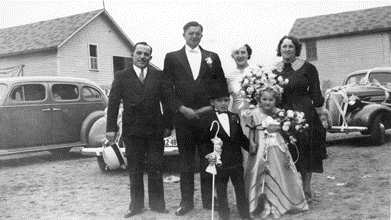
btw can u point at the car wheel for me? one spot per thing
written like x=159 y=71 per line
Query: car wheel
x=102 y=164
x=378 y=131
x=87 y=125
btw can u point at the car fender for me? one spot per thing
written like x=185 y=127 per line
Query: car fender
x=87 y=125
x=365 y=115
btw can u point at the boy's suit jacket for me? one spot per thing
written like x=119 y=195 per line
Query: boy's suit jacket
x=231 y=150
x=142 y=113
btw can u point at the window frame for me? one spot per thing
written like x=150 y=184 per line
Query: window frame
x=311 y=50
x=91 y=58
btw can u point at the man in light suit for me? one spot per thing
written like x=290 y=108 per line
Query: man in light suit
x=141 y=90
x=192 y=70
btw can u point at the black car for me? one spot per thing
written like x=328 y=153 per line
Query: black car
x=362 y=103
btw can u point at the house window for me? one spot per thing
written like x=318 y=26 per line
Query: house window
x=93 y=57
x=311 y=52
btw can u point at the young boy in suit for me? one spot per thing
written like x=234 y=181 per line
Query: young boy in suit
x=233 y=139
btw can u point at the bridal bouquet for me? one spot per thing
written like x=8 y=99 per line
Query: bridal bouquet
x=257 y=79
x=292 y=122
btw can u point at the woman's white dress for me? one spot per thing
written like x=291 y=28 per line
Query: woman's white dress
x=238 y=104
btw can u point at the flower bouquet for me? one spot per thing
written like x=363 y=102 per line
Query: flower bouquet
x=257 y=79
x=292 y=122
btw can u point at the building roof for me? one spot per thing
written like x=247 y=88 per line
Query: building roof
x=50 y=34
x=346 y=23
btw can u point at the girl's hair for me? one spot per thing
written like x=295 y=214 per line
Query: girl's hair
x=276 y=94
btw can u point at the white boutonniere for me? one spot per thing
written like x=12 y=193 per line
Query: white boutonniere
x=209 y=62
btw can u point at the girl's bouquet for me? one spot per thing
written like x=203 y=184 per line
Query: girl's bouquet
x=292 y=122
x=257 y=79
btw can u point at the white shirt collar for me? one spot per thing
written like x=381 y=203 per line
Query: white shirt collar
x=196 y=49
x=138 y=70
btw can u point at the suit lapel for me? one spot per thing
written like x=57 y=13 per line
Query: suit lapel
x=203 y=67
x=233 y=124
x=184 y=61
x=222 y=131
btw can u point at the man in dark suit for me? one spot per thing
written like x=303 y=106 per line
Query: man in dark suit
x=141 y=90
x=192 y=70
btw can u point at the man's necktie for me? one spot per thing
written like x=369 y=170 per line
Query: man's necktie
x=221 y=112
x=141 y=76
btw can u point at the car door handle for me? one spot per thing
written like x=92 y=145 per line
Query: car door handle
x=56 y=109
x=46 y=109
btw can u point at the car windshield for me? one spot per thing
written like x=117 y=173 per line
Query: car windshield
x=355 y=78
x=3 y=90
x=384 y=78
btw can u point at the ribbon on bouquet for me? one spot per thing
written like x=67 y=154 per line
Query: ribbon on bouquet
x=217 y=144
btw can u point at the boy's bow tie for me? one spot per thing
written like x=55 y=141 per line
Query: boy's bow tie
x=221 y=112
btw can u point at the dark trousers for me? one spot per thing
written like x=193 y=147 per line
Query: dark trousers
x=236 y=174
x=145 y=152
x=188 y=138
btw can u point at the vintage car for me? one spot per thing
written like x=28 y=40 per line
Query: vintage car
x=48 y=113
x=362 y=104
x=107 y=159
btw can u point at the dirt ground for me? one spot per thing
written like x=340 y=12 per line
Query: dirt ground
x=354 y=186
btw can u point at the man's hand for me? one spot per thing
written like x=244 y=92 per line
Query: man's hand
x=188 y=112
x=110 y=136
x=167 y=132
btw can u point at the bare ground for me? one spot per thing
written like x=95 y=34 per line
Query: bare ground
x=354 y=186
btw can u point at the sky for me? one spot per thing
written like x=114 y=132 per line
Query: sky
x=261 y=24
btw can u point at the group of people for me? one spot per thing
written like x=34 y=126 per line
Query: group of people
x=189 y=95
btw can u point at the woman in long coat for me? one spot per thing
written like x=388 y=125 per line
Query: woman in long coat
x=303 y=93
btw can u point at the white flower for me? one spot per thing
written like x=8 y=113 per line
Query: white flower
x=281 y=114
x=297 y=127
x=245 y=82
x=272 y=75
x=250 y=89
x=285 y=127
x=280 y=79
x=286 y=81
x=209 y=61
x=289 y=114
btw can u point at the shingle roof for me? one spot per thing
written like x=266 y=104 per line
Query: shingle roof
x=352 y=22
x=42 y=35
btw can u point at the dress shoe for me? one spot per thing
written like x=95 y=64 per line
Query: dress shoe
x=133 y=212
x=308 y=196
x=266 y=211
x=183 y=210
x=275 y=213
x=163 y=211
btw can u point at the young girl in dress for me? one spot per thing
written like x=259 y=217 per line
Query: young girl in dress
x=272 y=182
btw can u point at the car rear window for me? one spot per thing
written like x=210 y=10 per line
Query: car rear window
x=91 y=94
x=29 y=92
x=65 y=92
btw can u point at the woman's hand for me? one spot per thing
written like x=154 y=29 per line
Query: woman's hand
x=253 y=148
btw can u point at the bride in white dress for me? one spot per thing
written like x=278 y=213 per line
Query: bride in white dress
x=240 y=53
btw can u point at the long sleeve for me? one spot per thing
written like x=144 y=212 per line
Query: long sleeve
x=115 y=97
x=314 y=87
